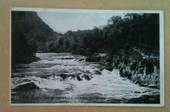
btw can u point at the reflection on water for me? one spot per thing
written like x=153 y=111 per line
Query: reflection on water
x=67 y=78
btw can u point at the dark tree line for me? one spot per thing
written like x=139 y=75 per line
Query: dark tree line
x=134 y=30
x=30 y=35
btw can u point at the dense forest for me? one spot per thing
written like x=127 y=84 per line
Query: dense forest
x=29 y=35
x=135 y=30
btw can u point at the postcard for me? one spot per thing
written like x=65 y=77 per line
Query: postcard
x=87 y=57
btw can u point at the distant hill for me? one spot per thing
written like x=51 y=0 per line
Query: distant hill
x=29 y=35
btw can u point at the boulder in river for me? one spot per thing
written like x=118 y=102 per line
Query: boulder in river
x=94 y=58
x=79 y=78
x=147 y=99
x=87 y=77
x=26 y=86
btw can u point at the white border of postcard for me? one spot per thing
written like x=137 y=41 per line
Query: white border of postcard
x=161 y=38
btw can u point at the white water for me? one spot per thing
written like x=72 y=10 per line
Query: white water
x=108 y=84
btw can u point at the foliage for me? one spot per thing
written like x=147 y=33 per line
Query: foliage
x=134 y=30
x=30 y=35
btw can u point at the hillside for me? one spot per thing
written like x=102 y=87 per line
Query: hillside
x=29 y=35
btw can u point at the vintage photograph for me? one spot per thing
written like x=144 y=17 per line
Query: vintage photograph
x=71 y=56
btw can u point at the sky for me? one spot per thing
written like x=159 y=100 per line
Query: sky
x=62 y=22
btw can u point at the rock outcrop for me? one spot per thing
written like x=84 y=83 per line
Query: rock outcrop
x=137 y=68
x=134 y=65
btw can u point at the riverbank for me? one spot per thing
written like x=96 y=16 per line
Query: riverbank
x=133 y=64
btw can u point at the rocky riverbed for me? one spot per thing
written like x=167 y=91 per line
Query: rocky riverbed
x=68 y=78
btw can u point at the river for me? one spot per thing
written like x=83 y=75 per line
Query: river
x=68 y=78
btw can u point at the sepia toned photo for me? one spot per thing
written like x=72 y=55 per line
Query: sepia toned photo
x=86 y=57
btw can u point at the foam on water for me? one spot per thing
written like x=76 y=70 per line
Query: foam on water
x=108 y=84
